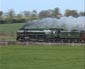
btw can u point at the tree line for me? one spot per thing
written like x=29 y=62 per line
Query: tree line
x=12 y=17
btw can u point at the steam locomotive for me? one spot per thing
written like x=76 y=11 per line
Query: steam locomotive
x=50 y=35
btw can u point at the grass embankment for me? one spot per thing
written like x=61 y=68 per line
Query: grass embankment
x=41 y=57
x=8 y=31
x=10 y=28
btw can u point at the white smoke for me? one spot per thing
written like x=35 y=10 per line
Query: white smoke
x=67 y=23
x=73 y=23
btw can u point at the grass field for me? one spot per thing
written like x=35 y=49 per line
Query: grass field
x=10 y=28
x=7 y=38
x=41 y=57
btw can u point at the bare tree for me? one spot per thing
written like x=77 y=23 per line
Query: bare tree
x=57 y=12
x=71 y=13
x=1 y=15
x=45 y=13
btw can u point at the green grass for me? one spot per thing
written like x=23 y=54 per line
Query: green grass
x=7 y=38
x=10 y=28
x=41 y=57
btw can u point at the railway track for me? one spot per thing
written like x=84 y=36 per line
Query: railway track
x=38 y=43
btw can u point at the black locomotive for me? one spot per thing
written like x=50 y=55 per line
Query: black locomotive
x=50 y=35
x=50 y=30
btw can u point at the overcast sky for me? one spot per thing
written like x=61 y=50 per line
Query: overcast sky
x=21 y=5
